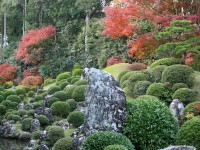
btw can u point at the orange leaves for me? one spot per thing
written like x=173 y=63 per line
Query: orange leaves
x=26 y=51
x=31 y=81
x=7 y=72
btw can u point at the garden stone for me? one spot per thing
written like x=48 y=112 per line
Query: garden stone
x=35 y=125
x=8 y=128
x=24 y=135
x=180 y=148
x=43 y=135
x=177 y=109
x=32 y=143
x=46 y=100
x=63 y=124
x=43 y=147
x=44 y=111
x=21 y=106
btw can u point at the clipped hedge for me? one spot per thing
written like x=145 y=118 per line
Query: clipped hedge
x=26 y=124
x=140 y=87
x=61 y=95
x=156 y=73
x=167 y=62
x=62 y=76
x=81 y=82
x=76 y=118
x=193 y=109
x=60 y=109
x=178 y=86
x=43 y=120
x=53 y=89
x=78 y=93
x=77 y=72
x=156 y=89
x=72 y=103
x=121 y=74
x=63 y=144
x=54 y=134
x=115 y=147
x=8 y=92
x=69 y=90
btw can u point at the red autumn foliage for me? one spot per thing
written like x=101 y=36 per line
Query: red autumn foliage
x=143 y=46
x=7 y=72
x=26 y=52
x=31 y=81
x=189 y=59
x=137 y=66
x=197 y=106
x=31 y=72
x=114 y=60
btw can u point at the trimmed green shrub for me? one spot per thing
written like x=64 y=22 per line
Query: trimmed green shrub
x=43 y=120
x=125 y=84
x=61 y=109
x=63 y=144
x=61 y=95
x=167 y=62
x=8 y=115
x=40 y=91
x=78 y=93
x=38 y=98
x=141 y=87
x=63 y=85
x=115 y=147
x=1 y=98
x=37 y=105
x=22 y=112
x=53 y=89
x=121 y=74
x=62 y=76
x=35 y=135
x=2 y=110
x=156 y=73
x=72 y=103
x=150 y=124
x=77 y=72
x=192 y=108
x=44 y=94
x=49 y=81
x=60 y=82
x=26 y=124
x=69 y=90
x=14 y=98
x=156 y=89
x=185 y=95
x=16 y=118
x=31 y=94
x=31 y=112
x=100 y=140
x=189 y=133
x=33 y=89
x=178 y=74
x=74 y=80
x=52 y=100
x=55 y=133
x=81 y=82
x=9 y=92
x=76 y=118
x=126 y=76
x=178 y=86
x=9 y=104
x=20 y=91
x=147 y=97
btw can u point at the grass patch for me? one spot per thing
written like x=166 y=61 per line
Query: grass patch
x=69 y=132
x=19 y=127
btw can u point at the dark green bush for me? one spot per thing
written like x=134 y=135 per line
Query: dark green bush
x=61 y=95
x=9 y=92
x=20 y=91
x=26 y=124
x=63 y=144
x=72 y=103
x=195 y=62
x=55 y=133
x=75 y=79
x=44 y=94
x=2 y=110
x=60 y=82
x=185 y=95
x=37 y=105
x=1 y=98
x=60 y=109
x=100 y=140
x=49 y=81
x=115 y=147
x=22 y=112
x=62 y=76
x=167 y=62
x=146 y=97
x=156 y=73
x=77 y=72
x=53 y=89
x=156 y=89
x=79 y=93
x=69 y=90
x=178 y=86
x=43 y=120
x=40 y=91
x=9 y=104
x=76 y=118
x=126 y=76
x=8 y=115
x=192 y=108
x=14 y=98
x=35 y=135
x=178 y=74
x=38 y=98
x=52 y=100
x=31 y=112
x=141 y=87
x=81 y=82
x=189 y=133
x=33 y=89
x=121 y=74
x=150 y=124
x=31 y=94
x=125 y=84
x=63 y=85
x=16 y=118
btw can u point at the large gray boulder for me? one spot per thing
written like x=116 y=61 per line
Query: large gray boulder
x=180 y=148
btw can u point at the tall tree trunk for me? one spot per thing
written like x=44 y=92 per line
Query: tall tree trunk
x=87 y=28
x=24 y=19
x=5 y=40
x=2 y=31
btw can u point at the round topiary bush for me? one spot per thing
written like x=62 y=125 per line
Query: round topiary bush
x=49 y=81
x=178 y=74
x=31 y=94
x=185 y=95
x=53 y=100
x=156 y=73
x=77 y=72
x=81 y=82
x=9 y=104
x=146 y=97
x=62 y=81
x=2 y=110
x=121 y=74
x=75 y=79
x=178 y=86
x=53 y=89
x=72 y=103
x=141 y=87
x=31 y=112
x=76 y=118
x=69 y=90
x=62 y=76
x=115 y=147
x=189 y=133
x=63 y=144
x=102 y=139
x=60 y=109
x=43 y=120
x=20 y=91
x=26 y=124
x=35 y=135
x=150 y=124
x=1 y=98
x=14 y=98
x=38 y=98
x=16 y=118
x=55 y=133
x=8 y=92
x=126 y=76
x=192 y=109
x=22 y=112
x=167 y=62
x=156 y=89
x=61 y=95
x=63 y=85
x=78 y=93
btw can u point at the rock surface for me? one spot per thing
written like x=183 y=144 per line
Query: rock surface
x=35 y=125
x=177 y=109
x=180 y=148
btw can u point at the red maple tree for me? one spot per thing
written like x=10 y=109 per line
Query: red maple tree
x=7 y=72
